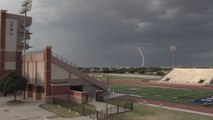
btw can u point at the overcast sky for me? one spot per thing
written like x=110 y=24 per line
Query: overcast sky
x=108 y=32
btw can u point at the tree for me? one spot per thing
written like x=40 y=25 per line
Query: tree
x=106 y=70
x=12 y=83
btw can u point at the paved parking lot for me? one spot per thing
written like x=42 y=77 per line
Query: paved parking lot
x=28 y=110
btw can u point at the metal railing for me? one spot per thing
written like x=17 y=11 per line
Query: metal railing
x=33 y=52
x=65 y=60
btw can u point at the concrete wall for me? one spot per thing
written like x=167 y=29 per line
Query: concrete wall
x=40 y=73
x=89 y=88
x=10 y=44
x=74 y=76
x=58 y=72
x=35 y=72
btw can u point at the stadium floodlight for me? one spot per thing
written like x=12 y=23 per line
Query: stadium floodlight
x=173 y=49
x=26 y=2
x=26 y=6
x=142 y=56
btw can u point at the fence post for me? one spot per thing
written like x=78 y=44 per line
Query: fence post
x=96 y=115
x=117 y=109
x=131 y=106
x=83 y=110
x=125 y=106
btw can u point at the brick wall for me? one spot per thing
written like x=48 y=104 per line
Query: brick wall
x=2 y=41
x=60 y=90
x=47 y=73
x=78 y=97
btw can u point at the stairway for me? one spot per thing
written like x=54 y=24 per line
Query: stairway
x=68 y=66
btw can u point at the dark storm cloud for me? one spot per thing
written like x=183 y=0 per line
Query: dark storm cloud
x=108 y=32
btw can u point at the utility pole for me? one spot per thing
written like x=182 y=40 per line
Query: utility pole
x=107 y=95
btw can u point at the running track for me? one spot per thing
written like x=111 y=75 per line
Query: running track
x=161 y=84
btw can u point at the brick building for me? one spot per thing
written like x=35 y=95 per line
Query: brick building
x=11 y=41
x=48 y=74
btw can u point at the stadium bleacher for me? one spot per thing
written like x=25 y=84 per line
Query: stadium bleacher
x=198 y=76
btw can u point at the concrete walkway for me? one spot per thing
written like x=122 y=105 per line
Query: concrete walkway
x=29 y=110
x=101 y=107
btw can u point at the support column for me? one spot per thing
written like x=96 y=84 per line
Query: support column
x=47 y=73
x=2 y=41
x=19 y=62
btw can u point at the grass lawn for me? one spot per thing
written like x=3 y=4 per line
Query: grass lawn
x=143 y=112
x=177 y=95
x=86 y=106
x=62 y=111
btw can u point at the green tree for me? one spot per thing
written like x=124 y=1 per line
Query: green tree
x=12 y=83
x=141 y=70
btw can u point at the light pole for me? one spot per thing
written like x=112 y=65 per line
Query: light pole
x=107 y=95
x=26 y=6
x=173 y=50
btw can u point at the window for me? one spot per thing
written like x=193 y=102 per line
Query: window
x=11 y=29
x=11 y=23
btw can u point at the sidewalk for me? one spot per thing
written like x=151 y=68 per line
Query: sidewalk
x=29 y=110
x=112 y=109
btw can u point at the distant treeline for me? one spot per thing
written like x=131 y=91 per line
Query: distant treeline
x=133 y=70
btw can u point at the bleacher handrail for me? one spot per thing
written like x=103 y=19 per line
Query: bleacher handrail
x=33 y=52
x=64 y=60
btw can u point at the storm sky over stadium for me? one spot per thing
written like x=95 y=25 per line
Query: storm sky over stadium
x=108 y=32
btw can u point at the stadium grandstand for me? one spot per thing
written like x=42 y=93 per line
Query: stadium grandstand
x=196 y=76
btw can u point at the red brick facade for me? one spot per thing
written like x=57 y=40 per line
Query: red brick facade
x=47 y=71
x=60 y=90
x=78 y=97
x=5 y=56
x=2 y=41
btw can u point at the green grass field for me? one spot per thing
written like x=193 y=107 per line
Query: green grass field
x=183 y=96
x=65 y=111
x=140 y=112
x=143 y=112
x=59 y=111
